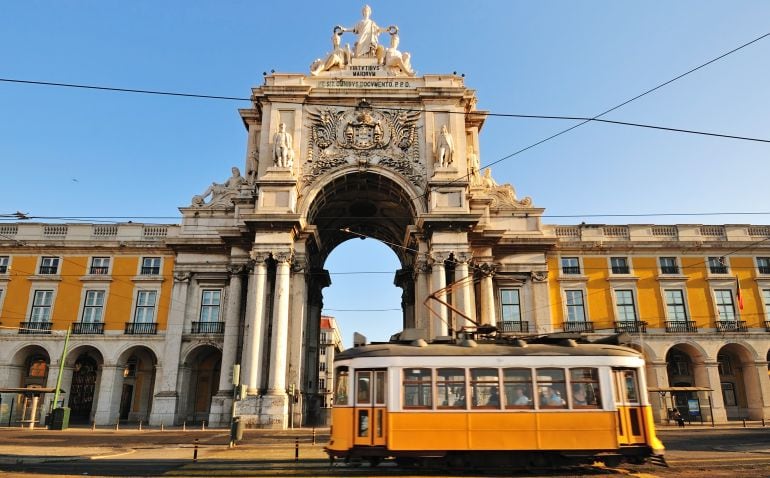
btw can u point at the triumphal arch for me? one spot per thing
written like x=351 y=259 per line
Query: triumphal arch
x=359 y=146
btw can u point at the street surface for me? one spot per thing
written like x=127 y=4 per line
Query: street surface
x=696 y=451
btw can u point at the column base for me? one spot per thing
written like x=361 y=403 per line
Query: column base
x=264 y=411
x=164 y=409
x=221 y=409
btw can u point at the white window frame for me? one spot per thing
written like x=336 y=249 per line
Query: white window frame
x=517 y=305
x=93 y=264
x=628 y=265
x=210 y=306
x=683 y=292
x=138 y=306
x=720 y=305
x=766 y=265
x=766 y=302
x=5 y=264
x=42 y=306
x=152 y=265
x=583 y=305
x=634 y=304
x=714 y=261
x=46 y=261
x=85 y=306
x=677 y=264
x=579 y=265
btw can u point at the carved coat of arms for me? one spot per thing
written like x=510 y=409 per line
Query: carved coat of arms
x=363 y=136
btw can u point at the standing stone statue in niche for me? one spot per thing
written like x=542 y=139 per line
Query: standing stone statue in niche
x=338 y=58
x=221 y=193
x=368 y=33
x=283 y=154
x=444 y=148
x=252 y=166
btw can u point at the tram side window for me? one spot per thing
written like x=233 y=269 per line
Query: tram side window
x=341 y=386
x=485 y=388
x=364 y=387
x=517 y=383
x=418 y=388
x=585 y=387
x=551 y=388
x=450 y=388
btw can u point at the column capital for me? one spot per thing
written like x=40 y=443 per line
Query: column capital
x=259 y=256
x=486 y=269
x=539 y=276
x=299 y=263
x=284 y=256
x=463 y=257
x=182 y=276
x=421 y=266
x=439 y=257
x=238 y=269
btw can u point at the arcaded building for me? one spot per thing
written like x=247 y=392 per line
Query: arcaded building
x=360 y=146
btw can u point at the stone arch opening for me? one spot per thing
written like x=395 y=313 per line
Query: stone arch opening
x=200 y=378
x=738 y=382
x=136 y=367
x=31 y=367
x=84 y=367
x=685 y=367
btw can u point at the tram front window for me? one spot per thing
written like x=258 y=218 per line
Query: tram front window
x=341 y=386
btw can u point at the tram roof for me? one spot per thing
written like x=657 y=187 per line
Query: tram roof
x=485 y=349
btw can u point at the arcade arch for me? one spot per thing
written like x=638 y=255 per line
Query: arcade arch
x=83 y=374
x=136 y=367
x=200 y=381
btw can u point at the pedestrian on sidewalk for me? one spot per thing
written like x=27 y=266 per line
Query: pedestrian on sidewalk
x=679 y=418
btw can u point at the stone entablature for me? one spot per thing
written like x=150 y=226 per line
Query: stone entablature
x=94 y=232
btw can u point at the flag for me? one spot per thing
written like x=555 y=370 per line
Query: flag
x=738 y=295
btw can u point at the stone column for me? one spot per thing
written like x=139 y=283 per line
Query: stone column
x=463 y=293
x=440 y=316
x=757 y=387
x=422 y=272
x=657 y=377
x=487 y=295
x=708 y=376
x=255 y=314
x=222 y=401
x=277 y=380
x=541 y=303
x=109 y=395
x=164 y=405
x=297 y=325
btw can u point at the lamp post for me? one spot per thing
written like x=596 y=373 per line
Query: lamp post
x=61 y=366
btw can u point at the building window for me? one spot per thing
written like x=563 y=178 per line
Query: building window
x=763 y=264
x=3 y=264
x=323 y=338
x=150 y=266
x=510 y=305
x=322 y=367
x=570 y=265
x=41 y=306
x=49 y=265
x=675 y=305
x=145 y=306
x=624 y=300
x=322 y=351
x=679 y=364
x=210 y=302
x=668 y=265
x=94 y=306
x=99 y=266
x=619 y=265
x=728 y=394
x=322 y=384
x=575 y=306
x=717 y=265
x=725 y=306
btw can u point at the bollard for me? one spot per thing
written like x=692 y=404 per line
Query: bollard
x=203 y=425
x=313 y=435
x=296 y=450
x=195 y=452
x=763 y=423
x=140 y=425
x=93 y=426
x=744 y=423
x=184 y=426
x=161 y=426
x=117 y=425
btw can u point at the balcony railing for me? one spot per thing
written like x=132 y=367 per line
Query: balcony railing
x=83 y=328
x=98 y=270
x=731 y=325
x=208 y=328
x=48 y=270
x=150 y=271
x=764 y=269
x=631 y=326
x=675 y=326
x=586 y=326
x=570 y=269
x=718 y=269
x=35 y=328
x=620 y=269
x=514 y=326
x=141 y=328
x=669 y=269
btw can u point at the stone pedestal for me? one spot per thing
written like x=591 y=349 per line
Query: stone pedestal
x=220 y=411
x=264 y=411
x=164 y=409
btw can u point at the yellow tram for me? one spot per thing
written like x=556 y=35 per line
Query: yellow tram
x=498 y=402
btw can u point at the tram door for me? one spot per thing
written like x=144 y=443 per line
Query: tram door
x=629 y=406
x=369 y=407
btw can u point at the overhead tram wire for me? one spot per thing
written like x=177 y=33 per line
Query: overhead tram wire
x=594 y=118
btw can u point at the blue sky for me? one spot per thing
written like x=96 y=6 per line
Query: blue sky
x=85 y=154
